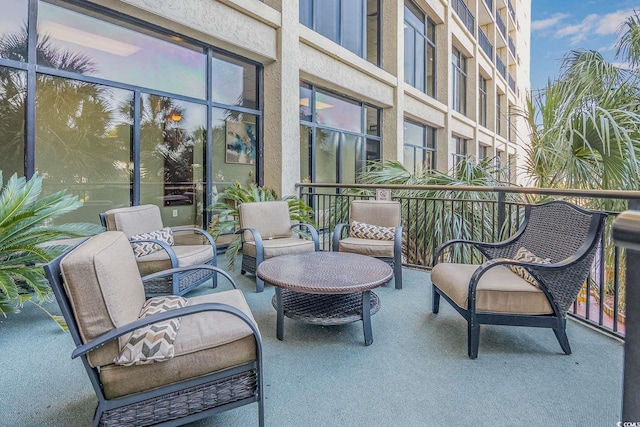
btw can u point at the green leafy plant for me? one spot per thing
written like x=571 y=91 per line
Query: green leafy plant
x=226 y=219
x=26 y=242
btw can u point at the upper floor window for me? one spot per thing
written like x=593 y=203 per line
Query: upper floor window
x=459 y=81
x=353 y=24
x=499 y=114
x=461 y=150
x=419 y=147
x=482 y=101
x=419 y=49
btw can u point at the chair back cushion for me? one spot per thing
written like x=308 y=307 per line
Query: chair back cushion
x=271 y=219
x=105 y=291
x=376 y=212
x=134 y=219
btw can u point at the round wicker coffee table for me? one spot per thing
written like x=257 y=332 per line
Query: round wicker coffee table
x=325 y=288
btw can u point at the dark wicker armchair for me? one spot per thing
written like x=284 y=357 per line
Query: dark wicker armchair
x=267 y=232
x=215 y=358
x=193 y=246
x=563 y=237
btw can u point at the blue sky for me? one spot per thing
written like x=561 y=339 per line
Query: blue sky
x=559 y=26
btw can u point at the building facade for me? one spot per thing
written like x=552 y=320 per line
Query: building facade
x=151 y=101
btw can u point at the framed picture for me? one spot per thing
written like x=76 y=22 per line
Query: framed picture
x=240 y=142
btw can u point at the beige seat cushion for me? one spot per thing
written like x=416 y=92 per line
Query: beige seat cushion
x=104 y=287
x=384 y=213
x=134 y=219
x=271 y=219
x=500 y=290
x=206 y=342
x=187 y=255
x=277 y=247
x=375 y=248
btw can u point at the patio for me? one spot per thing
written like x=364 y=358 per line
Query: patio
x=416 y=372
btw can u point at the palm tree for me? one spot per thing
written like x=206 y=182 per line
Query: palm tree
x=25 y=240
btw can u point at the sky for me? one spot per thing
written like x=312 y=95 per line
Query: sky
x=560 y=26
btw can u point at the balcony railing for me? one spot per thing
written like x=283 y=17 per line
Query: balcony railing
x=512 y=12
x=485 y=44
x=512 y=82
x=489 y=4
x=502 y=69
x=512 y=46
x=501 y=25
x=465 y=14
x=433 y=214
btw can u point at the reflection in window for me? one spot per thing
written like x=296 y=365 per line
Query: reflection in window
x=13 y=30
x=234 y=82
x=459 y=81
x=12 y=105
x=482 y=100
x=172 y=137
x=338 y=112
x=234 y=148
x=419 y=147
x=82 y=143
x=305 y=102
x=116 y=53
x=352 y=24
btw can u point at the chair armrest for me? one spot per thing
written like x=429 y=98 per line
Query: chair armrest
x=443 y=246
x=82 y=350
x=171 y=271
x=312 y=230
x=165 y=246
x=257 y=237
x=200 y=231
x=337 y=235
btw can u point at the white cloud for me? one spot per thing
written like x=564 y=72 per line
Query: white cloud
x=601 y=25
x=543 y=24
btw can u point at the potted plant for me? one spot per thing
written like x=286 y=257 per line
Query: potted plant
x=26 y=243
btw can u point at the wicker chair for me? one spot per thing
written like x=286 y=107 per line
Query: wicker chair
x=563 y=236
x=193 y=246
x=267 y=232
x=379 y=214
x=217 y=364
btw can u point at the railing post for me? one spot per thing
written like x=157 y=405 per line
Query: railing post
x=502 y=208
x=626 y=233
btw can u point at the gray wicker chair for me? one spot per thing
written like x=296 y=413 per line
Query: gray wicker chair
x=563 y=234
x=193 y=246
x=378 y=213
x=267 y=232
x=217 y=363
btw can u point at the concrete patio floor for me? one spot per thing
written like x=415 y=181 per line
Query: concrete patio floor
x=416 y=372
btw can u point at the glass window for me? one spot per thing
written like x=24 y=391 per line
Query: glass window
x=499 y=114
x=172 y=135
x=343 y=21
x=235 y=146
x=339 y=139
x=83 y=134
x=419 y=49
x=338 y=113
x=482 y=100
x=99 y=48
x=419 y=147
x=13 y=89
x=13 y=36
x=234 y=82
x=459 y=81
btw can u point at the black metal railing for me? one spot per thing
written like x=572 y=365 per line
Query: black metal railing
x=512 y=82
x=502 y=69
x=501 y=25
x=434 y=214
x=485 y=44
x=512 y=46
x=465 y=14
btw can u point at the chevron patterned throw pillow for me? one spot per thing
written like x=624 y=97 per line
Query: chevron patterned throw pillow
x=152 y=343
x=146 y=248
x=363 y=230
x=525 y=255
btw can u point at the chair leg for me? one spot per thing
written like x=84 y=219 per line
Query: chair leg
x=398 y=275
x=473 y=338
x=561 y=335
x=435 y=300
x=259 y=284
